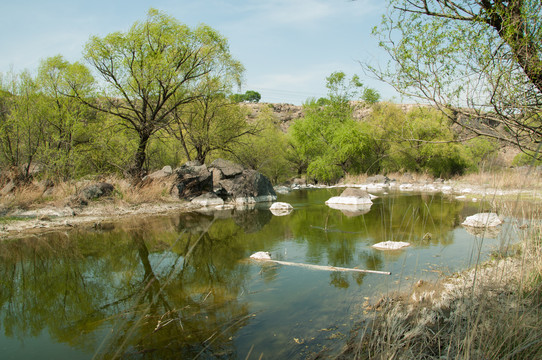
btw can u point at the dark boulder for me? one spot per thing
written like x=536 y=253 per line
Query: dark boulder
x=229 y=181
x=249 y=185
x=93 y=192
x=226 y=169
x=193 y=179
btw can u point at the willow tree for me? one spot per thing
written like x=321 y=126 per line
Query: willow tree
x=479 y=61
x=152 y=70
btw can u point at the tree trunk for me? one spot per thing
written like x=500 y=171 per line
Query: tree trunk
x=140 y=156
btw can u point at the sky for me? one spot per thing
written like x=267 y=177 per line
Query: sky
x=287 y=47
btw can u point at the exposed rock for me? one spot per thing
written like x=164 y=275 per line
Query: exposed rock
x=208 y=199
x=282 y=189
x=94 y=191
x=246 y=187
x=164 y=172
x=351 y=196
x=281 y=209
x=227 y=168
x=193 y=179
x=261 y=255
x=391 y=245
x=482 y=220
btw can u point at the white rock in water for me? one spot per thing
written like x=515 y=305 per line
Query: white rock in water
x=391 y=245
x=281 y=208
x=261 y=255
x=351 y=196
x=482 y=220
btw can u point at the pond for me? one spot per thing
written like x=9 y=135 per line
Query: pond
x=182 y=286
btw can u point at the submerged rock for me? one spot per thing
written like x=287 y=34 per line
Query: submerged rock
x=482 y=220
x=391 y=245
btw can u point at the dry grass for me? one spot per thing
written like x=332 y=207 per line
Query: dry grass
x=493 y=311
x=36 y=195
x=520 y=178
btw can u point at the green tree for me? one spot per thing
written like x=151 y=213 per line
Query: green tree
x=66 y=118
x=211 y=123
x=252 y=96
x=328 y=138
x=370 y=96
x=21 y=123
x=420 y=140
x=267 y=151
x=478 y=61
x=152 y=70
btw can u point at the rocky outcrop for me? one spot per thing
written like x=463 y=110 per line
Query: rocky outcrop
x=229 y=181
x=233 y=183
x=193 y=179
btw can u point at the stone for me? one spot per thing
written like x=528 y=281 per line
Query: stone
x=281 y=209
x=227 y=168
x=207 y=200
x=248 y=186
x=193 y=179
x=351 y=196
x=164 y=172
x=482 y=220
x=391 y=245
x=261 y=255
x=95 y=191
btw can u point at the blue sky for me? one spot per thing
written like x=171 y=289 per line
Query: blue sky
x=288 y=47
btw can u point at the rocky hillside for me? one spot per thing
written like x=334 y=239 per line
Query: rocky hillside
x=286 y=114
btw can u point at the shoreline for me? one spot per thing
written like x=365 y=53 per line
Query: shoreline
x=48 y=217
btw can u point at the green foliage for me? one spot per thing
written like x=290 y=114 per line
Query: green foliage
x=154 y=69
x=249 y=96
x=328 y=140
x=480 y=59
x=267 y=151
x=370 y=96
x=528 y=159
x=420 y=140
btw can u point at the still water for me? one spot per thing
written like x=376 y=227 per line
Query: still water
x=182 y=287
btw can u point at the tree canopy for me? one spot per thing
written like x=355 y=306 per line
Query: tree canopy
x=479 y=61
x=153 y=69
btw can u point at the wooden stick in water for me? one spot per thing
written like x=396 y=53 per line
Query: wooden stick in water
x=327 y=268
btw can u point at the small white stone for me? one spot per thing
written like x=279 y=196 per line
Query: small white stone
x=261 y=255
x=391 y=245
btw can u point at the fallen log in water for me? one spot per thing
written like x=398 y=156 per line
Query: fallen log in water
x=325 y=268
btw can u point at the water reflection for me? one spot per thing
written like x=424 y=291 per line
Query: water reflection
x=181 y=286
